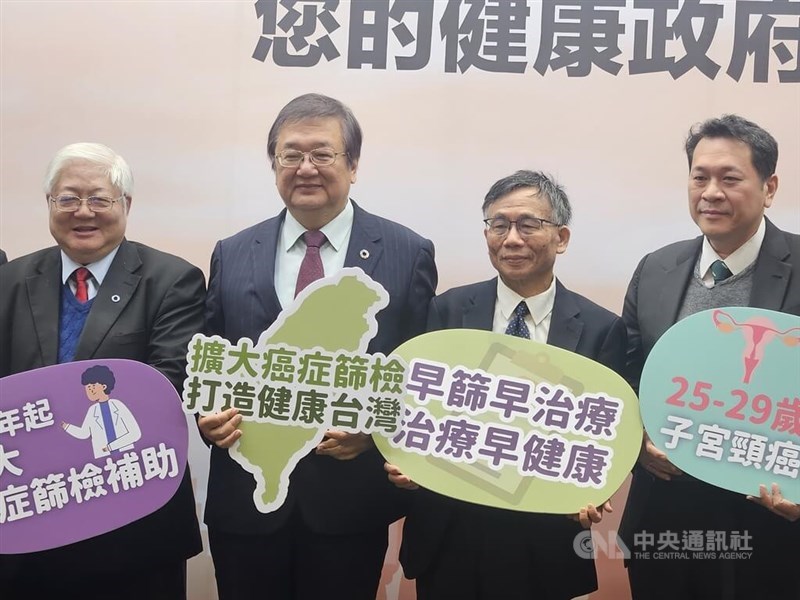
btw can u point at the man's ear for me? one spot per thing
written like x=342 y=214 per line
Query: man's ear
x=563 y=239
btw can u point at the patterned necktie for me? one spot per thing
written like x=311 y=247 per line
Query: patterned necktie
x=516 y=324
x=720 y=271
x=311 y=268
x=81 y=275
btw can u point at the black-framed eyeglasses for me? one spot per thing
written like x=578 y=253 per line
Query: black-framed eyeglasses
x=500 y=226
x=320 y=157
x=96 y=204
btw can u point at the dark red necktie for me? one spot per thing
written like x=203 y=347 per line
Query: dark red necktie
x=81 y=274
x=311 y=268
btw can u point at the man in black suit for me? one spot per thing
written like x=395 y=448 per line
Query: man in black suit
x=459 y=550
x=96 y=295
x=329 y=538
x=732 y=181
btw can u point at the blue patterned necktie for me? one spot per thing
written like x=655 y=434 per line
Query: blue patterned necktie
x=720 y=271
x=516 y=324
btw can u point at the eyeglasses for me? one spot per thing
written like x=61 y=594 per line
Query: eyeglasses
x=320 y=157
x=526 y=226
x=96 y=204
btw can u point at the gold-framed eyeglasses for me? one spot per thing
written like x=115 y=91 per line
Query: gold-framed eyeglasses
x=96 y=204
x=319 y=157
x=526 y=226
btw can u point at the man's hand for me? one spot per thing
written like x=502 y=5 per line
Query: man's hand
x=589 y=515
x=343 y=446
x=655 y=461
x=775 y=502
x=221 y=429
x=397 y=478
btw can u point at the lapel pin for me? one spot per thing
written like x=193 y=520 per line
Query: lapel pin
x=115 y=298
x=364 y=254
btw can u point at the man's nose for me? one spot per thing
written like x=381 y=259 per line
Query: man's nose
x=513 y=237
x=306 y=167
x=83 y=210
x=713 y=191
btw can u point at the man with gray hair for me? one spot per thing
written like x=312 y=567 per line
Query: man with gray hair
x=329 y=538
x=741 y=259
x=97 y=295
x=460 y=550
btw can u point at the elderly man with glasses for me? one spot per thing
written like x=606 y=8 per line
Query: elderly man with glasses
x=97 y=295
x=329 y=539
x=460 y=550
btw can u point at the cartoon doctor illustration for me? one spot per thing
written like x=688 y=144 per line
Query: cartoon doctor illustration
x=108 y=421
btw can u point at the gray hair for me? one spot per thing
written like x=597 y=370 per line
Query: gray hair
x=763 y=147
x=115 y=167
x=545 y=185
x=317 y=106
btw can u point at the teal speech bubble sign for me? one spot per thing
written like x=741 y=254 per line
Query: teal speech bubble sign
x=719 y=394
x=448 y=374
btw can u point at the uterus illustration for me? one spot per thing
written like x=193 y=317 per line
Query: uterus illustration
x=758 y=332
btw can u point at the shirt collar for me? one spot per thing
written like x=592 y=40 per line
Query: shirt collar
x=98 y=269
x=737 y=260
x=540 y=305
x=336 y=231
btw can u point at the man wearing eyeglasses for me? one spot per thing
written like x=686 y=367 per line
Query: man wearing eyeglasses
x=329 y=539
x=97 y=295
x=460 y=550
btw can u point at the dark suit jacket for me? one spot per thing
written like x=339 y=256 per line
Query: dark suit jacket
x=160 y=308
x=652 y=303
x=577 y=325
x=3 y=257
x=334 y=496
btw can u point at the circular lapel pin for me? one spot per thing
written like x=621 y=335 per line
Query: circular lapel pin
x=364 y=254
x=115 y=298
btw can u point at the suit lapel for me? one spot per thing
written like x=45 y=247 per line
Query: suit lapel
x=772 y=271
x=262 y=266
x=365 y=247
x=565 y=325
x=114 y=294
x=478 y=310
x=44 y=297
x=674 y=282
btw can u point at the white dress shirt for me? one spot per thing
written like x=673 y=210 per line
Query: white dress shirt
x=737 y=261
x=539 y=306
x=98 y=270
x=292 y=249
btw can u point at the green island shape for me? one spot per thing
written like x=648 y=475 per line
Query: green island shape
x=333 y=314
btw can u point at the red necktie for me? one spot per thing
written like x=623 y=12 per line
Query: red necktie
x=311 y=268
x=81 y=289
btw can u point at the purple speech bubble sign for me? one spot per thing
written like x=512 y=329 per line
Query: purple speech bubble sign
x=41 y=463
